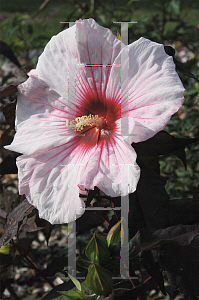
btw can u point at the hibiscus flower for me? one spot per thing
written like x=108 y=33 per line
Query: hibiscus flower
x=68 y=117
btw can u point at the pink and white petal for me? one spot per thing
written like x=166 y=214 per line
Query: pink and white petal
x=58 y=61
x=64 y=62
x=32 y=72
x=155 y=89
x=156 y=92
x=127 y=132
x=41 y=116
x=112 y=168
x=51 y=186
x=97 y=46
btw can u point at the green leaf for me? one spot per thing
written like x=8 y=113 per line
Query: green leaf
x=118 y=36
x=78 y=284
x=74 y=294
x=6 y=249
x=173 y=7
x=197 y=86
x=190 y=92
x=114 y=239
x=99 y=280
x=97 y=250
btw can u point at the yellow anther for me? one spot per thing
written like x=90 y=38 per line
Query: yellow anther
x=80 y=122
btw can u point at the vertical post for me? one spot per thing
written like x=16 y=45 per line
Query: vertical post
x=72 y=248
x=124 y=258
x=71 y=225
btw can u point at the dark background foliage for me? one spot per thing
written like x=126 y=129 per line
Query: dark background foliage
x=163 y=212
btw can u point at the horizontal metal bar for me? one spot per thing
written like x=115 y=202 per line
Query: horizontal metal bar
x=112 y=278
x=102 y=208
